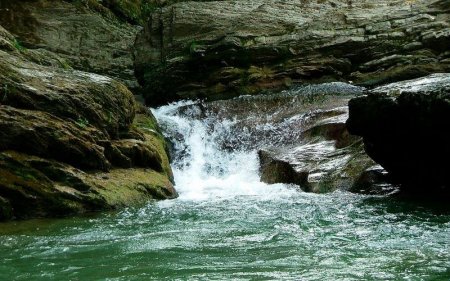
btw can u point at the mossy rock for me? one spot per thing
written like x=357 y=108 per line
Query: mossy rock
x=35 y=187
x=70 y=143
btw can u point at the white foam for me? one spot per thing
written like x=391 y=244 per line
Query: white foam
x=207 y=172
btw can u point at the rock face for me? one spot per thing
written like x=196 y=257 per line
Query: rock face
x=72 y=141
x=87 y=35
x=406 y=128
x=220 y=49
x=325 y=158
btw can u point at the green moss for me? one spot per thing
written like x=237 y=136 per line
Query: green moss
x=18 y=45
x=129 y=187
x=147 y=8
x=65 y=65
x=82 y=122
x=148 y=124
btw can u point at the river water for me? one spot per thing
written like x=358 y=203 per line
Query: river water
x=226 y=224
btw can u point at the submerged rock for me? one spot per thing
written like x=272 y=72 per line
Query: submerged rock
x=72 y=141
x=406 y=129
x=221 y=49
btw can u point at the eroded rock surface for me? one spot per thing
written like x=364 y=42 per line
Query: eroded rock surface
x=85 y=34
x=325 y=158
x=220 y=49
x=406 y=128
x=72 y=141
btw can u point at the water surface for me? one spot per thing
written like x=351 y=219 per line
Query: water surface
x=228 y=225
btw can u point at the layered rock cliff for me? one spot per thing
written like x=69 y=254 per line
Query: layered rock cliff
x=220 y=49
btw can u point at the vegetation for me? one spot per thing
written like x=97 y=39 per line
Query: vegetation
x=18 y=45
x=82 y=122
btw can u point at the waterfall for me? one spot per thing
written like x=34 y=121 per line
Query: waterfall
x=215 y=144
x=205 y=164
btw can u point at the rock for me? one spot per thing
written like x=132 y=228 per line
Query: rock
x=88 y=37
x=72 y=141
x=405 y=127
x=374 y=180
x=41 y=134
x=221 y=49
x=36 y=187
x=85 y=98
x=279 y=171
x=325 y=158
x=32 y=194
x=5 y=209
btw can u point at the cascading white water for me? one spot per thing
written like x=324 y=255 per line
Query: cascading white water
x=215 y=144
x=203 y=169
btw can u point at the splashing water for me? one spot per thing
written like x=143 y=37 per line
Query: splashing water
x=204 y=171
x=226 y=224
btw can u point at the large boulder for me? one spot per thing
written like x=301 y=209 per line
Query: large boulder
x=72 y=141
x=406 y=129
x=221 y=49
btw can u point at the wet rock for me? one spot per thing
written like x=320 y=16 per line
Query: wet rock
x=325 y=158
x=405 y=127
x=85 y=34
x=279 y=171
x=32 y=194
x=374 y=180
x=5 y=209
x=85 y=98
x=44 y=135
x=57 y=129
x=37 y=187
x=132 y=153
x=221 y=49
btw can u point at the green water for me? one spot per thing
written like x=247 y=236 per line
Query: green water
x=290 y=236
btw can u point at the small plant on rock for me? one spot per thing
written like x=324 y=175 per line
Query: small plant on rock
x=18 y=45
x=82 y=122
